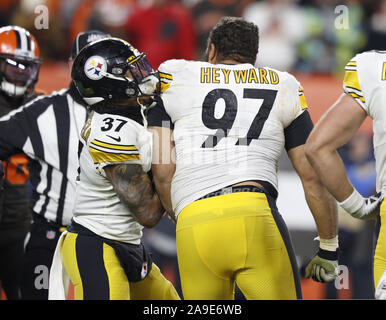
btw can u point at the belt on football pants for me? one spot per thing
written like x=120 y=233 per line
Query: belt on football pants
x=228 y=190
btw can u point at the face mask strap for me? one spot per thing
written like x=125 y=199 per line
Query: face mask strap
x=143 y=108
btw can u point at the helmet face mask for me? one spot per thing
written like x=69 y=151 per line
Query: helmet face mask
x=112 y=71
x=17 y=71
x=19 y=61
x=140 y=69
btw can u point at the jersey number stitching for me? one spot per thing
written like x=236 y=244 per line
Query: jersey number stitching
x=225 y=123
x=109 y=124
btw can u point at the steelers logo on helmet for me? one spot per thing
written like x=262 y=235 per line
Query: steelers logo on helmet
x=94 y=67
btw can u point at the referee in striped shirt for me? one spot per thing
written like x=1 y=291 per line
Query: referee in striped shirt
x=47 y=130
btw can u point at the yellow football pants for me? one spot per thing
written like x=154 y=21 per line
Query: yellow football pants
x=380 y=249
x=235 y=238
x=97 y=274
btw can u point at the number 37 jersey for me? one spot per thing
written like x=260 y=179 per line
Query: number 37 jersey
x=109 y=140
x=229 y=124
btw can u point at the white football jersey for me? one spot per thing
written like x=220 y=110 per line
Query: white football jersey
x=365 y=80
x=109 y=139
x=229 y=123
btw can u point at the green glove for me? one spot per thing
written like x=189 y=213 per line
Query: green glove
x=323 y=267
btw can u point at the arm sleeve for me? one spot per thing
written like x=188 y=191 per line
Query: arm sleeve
x=158 y=117
x=297 y=132
x=296 y=120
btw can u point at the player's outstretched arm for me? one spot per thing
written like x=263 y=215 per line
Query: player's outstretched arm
x=333 y=130
x=322 y=205
x=135 y=190
x=323 y=267
x=163 y=165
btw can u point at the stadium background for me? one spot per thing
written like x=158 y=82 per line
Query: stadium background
x=313 y=39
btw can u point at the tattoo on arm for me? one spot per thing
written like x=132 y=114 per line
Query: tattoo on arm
x=135 y=190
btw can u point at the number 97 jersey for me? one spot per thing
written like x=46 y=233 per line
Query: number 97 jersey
x=229 y=124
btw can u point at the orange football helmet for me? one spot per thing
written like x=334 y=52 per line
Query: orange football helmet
x=19 y=61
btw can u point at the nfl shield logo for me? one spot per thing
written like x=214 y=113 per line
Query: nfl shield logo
x=144 y=270
x=50 y=234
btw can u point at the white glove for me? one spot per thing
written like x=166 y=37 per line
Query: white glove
x=362 y=208
x=380 y=292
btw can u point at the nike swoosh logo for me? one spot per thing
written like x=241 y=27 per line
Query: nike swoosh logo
x=114 y=138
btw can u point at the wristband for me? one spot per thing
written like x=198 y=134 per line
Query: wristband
x=329 y=244
x=353 y=203
x=328 y=255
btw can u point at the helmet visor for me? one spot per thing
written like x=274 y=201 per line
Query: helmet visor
x=20 y=73
x=140 y=69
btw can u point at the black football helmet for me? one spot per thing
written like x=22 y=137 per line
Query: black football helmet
x=112 y=71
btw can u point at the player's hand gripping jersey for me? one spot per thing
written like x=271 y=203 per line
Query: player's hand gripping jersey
x=109 y=139
x=231 y=123
x=365 y=80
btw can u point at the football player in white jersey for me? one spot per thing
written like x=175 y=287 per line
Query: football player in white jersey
x=102 y=251
x=364 y=95
x=229 y=122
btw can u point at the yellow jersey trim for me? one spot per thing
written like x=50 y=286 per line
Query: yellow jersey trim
x=166 y=75
x=302 y=99
x=114 y=146
x=100 y=156
x=351 y=80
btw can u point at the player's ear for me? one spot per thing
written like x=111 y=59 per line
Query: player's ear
x=212 y=54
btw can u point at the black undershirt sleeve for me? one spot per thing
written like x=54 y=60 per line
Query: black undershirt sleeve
x=297 y=132
x=158 y=117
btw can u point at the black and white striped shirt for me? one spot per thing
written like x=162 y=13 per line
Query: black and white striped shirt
x=47 y=129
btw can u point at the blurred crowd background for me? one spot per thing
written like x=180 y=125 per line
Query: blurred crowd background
x=313 y=39
x=299 y=35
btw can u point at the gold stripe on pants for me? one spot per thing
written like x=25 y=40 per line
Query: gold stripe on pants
x=97 y=274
